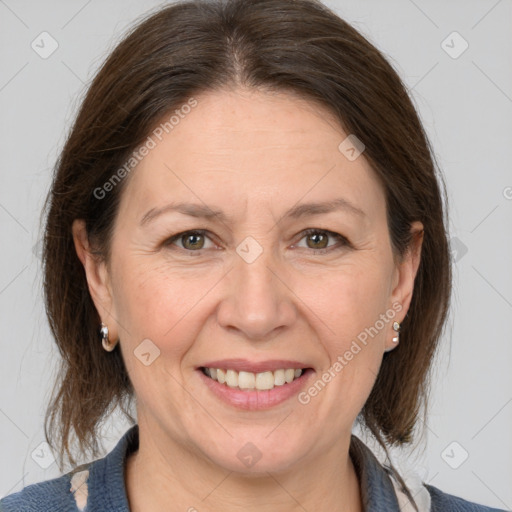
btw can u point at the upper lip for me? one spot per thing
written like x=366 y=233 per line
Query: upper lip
x=244 y=365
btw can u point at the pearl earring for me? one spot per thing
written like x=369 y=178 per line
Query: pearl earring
x=396 y=327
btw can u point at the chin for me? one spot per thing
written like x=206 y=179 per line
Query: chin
x=258 y=455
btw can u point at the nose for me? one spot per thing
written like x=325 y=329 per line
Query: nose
x=258 y=298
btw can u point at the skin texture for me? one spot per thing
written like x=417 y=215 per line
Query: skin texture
x=254 y=155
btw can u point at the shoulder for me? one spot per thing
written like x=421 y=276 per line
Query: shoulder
x=64 y=493
x=443 y=502
x=97 y=485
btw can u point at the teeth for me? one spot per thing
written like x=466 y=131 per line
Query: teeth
x=232 y=378
x=279 y=379
x=265 y=380
x=251 y=381
x=289 y=375
x=246 y=380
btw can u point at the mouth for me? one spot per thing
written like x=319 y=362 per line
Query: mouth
x=254 y=386
x=251 y=381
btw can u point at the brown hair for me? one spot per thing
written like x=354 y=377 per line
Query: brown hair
x=298 y=46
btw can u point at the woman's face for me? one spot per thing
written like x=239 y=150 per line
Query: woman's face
x=253 y=291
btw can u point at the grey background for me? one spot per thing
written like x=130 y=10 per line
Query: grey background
x=466 y=106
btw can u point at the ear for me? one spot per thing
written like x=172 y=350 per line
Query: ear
x=98 y=279
x=404 y=275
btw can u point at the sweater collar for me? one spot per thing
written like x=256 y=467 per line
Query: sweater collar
x=107 y=474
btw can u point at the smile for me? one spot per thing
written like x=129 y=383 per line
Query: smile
x=253 y=381
x=268 y=385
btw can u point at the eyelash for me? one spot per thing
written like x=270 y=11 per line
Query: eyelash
x=343 y=241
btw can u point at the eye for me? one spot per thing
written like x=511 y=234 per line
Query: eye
x=318 y=239
x=192 y=241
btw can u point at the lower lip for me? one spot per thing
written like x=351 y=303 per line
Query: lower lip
x=256 y=400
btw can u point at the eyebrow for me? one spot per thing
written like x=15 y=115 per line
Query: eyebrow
x=298 y=211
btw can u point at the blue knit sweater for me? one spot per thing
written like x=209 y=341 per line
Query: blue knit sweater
x=103 y=480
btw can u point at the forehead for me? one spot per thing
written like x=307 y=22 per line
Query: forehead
x=248 y=121
x=244 y=145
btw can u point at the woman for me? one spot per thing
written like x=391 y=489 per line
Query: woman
x=245 y=234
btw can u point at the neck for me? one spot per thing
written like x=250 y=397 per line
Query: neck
x=170 y=477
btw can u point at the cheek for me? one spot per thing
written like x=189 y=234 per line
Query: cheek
x=355 y=318
x=155 y=308
x=368 y=318
x=152 y=303
x=349 y=302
